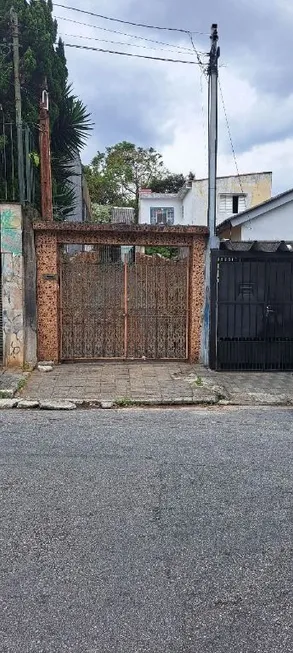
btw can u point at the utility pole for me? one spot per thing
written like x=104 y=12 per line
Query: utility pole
x=45 y=158
x=212 y=188
x=213 y=131
x=20 y=157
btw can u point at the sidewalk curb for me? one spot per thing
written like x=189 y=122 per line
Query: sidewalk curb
x=73 y=404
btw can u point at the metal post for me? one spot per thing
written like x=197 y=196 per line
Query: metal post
x=20 y=158
x=212 y=189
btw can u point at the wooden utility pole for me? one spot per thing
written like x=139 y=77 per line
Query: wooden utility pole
x=20 y=157
x=45 y=159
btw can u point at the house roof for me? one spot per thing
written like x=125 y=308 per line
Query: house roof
x=244 y=174
x=158 y=196
x=269 y=247
x=256 y=211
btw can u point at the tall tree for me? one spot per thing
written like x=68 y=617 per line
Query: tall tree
x=118 y=174
x=171 y=183
x=42 y=58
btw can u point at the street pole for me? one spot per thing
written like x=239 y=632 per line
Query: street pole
x=213 y=132
x=213 y=241
x=45 y=158
x=17 y=91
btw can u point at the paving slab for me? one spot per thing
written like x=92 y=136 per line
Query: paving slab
x=155 y=382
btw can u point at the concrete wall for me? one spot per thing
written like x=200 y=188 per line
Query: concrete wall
x=276 y=224
x=189 y=208
x=256 y=187
x=12 y=285
x=76 y=181
x=147 y=203
x=30 y=290
x=18 y=287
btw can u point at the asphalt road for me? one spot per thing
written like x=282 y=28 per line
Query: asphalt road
x=146 y=531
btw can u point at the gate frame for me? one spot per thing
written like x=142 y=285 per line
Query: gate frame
x=50 y=236
x=250 y=254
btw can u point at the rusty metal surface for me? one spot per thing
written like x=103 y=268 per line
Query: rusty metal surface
x=123 y=310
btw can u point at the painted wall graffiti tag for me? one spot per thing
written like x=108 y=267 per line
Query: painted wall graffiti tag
x=11 y=233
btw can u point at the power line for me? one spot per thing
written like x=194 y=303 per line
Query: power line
x=197 y=54
x=133 y=36
x=130 y=54
x=132 y=45
x=230 y=136
x=127 y=22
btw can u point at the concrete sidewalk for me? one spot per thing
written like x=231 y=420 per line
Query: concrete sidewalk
x=157 y=383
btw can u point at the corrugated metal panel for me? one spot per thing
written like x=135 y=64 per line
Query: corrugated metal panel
x=256 y=246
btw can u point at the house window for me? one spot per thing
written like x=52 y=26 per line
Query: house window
x=232 y=204
x=235 y=204
x=162 y=215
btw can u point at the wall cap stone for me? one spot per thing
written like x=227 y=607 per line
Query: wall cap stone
x=112 y=229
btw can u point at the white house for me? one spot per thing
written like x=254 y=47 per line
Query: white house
x=189 y=206
x=270 y=221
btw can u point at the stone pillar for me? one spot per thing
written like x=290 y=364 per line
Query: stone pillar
x=12 y=285
x=47 y=296
x=196 y=296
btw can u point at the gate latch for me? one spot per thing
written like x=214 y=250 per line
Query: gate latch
x=269 y=309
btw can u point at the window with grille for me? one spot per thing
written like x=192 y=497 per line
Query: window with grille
x=162 y=215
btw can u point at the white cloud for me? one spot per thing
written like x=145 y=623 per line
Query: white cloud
x=170 y=104
x=253 y=116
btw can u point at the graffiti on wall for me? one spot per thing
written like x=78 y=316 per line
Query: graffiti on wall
x=11 y=232
x=12 y=284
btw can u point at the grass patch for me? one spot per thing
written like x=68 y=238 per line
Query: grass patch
x=124 y=402
x=199 y=382
x=21 y=384
x=6 y=394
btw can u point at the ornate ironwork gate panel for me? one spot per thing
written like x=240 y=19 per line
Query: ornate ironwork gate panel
x=92 y=308
x=157 y=312
x=123 y=310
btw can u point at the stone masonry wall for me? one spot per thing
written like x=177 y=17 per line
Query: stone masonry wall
x=47 y=297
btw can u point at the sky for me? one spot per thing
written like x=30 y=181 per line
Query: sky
x=163 y=104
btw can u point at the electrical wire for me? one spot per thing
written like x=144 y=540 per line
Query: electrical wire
x=203 y=115
x=230 y=137
x=197 y=54
x=127 y=22
x=129 y=54
x=132 y=45
x=133 y=36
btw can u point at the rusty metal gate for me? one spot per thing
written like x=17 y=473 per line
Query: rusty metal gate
x=123 y=310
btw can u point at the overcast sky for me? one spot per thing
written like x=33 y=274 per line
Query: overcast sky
x=164 y=105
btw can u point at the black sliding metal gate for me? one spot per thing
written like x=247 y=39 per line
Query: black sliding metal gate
x=251 y=311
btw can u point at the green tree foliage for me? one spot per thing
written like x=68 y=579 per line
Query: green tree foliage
x=171 y=183
x=42 y=59
x=166 y=252
x=116 y=176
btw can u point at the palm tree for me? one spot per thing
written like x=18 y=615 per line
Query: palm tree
x=69 y=135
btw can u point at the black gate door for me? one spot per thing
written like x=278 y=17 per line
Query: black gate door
x=252 y=312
